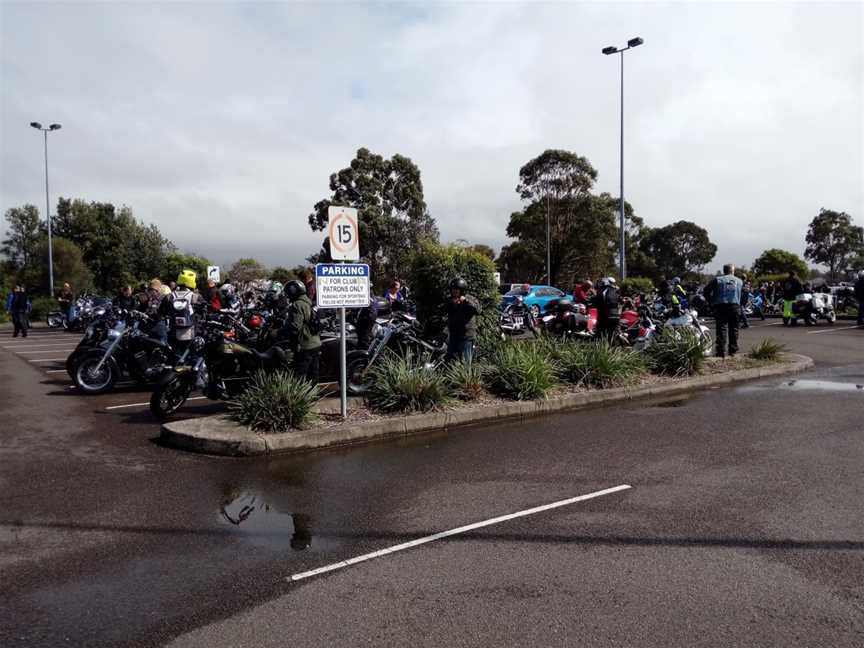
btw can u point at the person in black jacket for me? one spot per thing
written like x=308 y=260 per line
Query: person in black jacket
x=791 y=289
x=608 y=310
x=859 y=295
x=19 y=308
x=125 y=301
x=461 y=310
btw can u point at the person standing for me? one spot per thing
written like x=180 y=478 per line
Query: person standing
x=66 y=299
x=724 y=294
x=20 y=310
x=582 y=292
x=301 y=330
x=791 y=288
x=179 y=307
x=394 y=293
x=308 y=278
x=608 y=310
x=746 y=296
x=125 y=301
x=462 y=310
x=859 y=295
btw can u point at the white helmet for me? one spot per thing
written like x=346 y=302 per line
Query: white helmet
x=228 y=290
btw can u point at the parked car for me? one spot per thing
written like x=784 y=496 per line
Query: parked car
x=536 y=297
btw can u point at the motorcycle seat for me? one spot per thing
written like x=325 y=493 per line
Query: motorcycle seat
x=272 y=357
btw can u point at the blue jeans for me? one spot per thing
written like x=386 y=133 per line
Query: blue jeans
x=459 y=348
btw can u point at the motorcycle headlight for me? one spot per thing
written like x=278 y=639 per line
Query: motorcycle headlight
x=99 y=312
x=113 y=334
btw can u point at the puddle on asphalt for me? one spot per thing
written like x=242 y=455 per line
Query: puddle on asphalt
x=250 y=515
x=807 y=385
x=650 y=403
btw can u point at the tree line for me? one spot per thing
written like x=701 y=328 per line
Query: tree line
x=102 y=247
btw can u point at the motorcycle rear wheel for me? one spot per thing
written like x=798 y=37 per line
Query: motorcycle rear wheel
x=358 y=381
x=168 y=397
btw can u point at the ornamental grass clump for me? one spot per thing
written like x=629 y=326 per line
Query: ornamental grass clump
x=598 y=365
x=521 y=371
x=275 y=402
x=676 y=352
x=465 y=380
x=767 y=350
x=406 y=384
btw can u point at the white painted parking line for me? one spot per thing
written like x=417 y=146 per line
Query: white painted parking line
x=30 y=345
x=835 y=328
x=113 y=407
x=56 y=371
x=452 y=532
x=44 y=352
x=49 y=360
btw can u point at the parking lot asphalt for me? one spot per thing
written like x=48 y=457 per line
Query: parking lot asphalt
x=742 y=524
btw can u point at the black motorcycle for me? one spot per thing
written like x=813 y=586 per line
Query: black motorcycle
x=86 y=309
x=402 y=334
x=516 y=318
x=128 y=350
x=216 y=364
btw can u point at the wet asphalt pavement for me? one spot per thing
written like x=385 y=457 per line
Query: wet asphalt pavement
x=744 y=525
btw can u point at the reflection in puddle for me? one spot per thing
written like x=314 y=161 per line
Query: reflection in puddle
x=822 y=385
x=255 y=518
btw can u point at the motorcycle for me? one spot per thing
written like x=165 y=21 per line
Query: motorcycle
x=100 y=332
x=216 y=364
x=402 y=334
x=811 y=307
x=516 y=318
x=129 y=351
x=85 y=309
x=755 y=306
x=680 y=319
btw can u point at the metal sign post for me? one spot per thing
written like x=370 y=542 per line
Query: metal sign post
x=342 y=285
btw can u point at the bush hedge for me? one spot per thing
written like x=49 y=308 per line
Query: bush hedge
x=465 y=380
x=431 y=268
x=406 y=384
x=521 y=370
x=676 y=352
x=632 y=286
x=275 y=402
x=599 y=365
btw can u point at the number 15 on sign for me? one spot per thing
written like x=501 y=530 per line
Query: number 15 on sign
x=344 y=234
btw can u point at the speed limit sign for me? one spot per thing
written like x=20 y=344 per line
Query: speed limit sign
x=344 y=234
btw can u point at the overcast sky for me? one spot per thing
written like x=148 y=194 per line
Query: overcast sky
x=221 y=123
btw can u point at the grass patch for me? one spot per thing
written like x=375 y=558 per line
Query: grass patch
x=767 y=350
x=521 y=371
x=275 y=402
x=465 y=381
x=676 y=352
x=406 y=384
x=599 y=365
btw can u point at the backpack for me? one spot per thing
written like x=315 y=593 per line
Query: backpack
x=182 y=314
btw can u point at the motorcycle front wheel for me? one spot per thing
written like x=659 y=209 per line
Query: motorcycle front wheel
x=90 y=378
x=358 y=380
x=54 y=320
x=168 y=397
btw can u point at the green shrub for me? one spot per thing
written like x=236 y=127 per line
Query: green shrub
x=41 y=307
x=406 y=384
x=432 y=266
x=767 y=350
x=635 y=285
x=275 y=402
x=599 y=365
x=465 y=381
x=520 y=370
x=676 y=352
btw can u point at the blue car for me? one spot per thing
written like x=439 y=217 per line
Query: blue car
x=535 y=297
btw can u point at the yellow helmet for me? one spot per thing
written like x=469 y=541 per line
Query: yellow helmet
x=187 y=278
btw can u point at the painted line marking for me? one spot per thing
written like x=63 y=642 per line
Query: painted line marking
x=113 y=407
x=835 y=328
x=56 y=371
x=43 y=352
x=452 y=532
x=37 y=346
x=49 y=360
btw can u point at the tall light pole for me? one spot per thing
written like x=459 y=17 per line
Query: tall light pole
x=45 y=132
x=633 y=42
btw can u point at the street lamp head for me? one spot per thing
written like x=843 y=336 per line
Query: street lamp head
x=55 y=127
x=610 y=50
x=633 y=42
x=36 y=125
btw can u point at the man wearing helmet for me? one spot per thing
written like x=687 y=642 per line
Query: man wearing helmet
x=859 y=295
x=462 y=310
x=301 y=329
x=179 y=307
x=608 y=312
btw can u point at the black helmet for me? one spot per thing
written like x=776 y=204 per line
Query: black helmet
x=294 y=289
x=459 y=283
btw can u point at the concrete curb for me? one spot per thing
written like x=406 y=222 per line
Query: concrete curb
x=217 y=435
